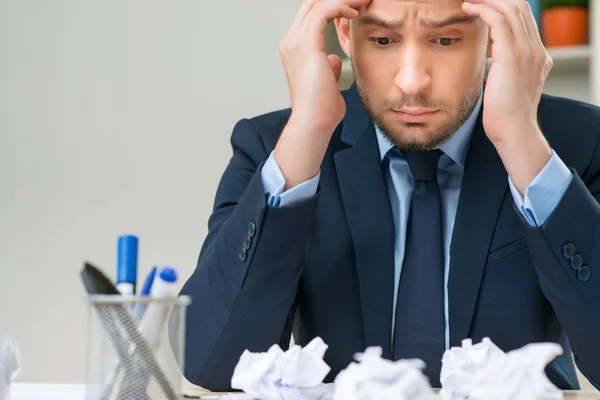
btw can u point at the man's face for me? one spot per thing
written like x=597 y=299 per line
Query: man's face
x=419 y=66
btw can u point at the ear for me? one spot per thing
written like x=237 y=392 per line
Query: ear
x=342 y=26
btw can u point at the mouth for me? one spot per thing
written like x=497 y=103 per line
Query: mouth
x=414 y=114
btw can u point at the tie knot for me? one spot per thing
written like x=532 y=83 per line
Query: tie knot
x=423 y=164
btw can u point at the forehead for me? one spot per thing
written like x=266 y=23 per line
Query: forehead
x=399 y=8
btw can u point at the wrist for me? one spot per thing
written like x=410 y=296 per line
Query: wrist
x=524 y=154
x=309 y=127
x=300 y=151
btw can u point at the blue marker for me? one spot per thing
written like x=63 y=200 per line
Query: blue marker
x=127 y=258
x=138 y=310
x=148 y=282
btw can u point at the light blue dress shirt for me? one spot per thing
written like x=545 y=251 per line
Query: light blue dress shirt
x=541 y=197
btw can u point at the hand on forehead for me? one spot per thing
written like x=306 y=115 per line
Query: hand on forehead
x=420 y=14
x=421 y=8
x=448 y=4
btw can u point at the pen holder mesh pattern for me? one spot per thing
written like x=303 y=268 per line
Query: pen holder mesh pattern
x=135 y=347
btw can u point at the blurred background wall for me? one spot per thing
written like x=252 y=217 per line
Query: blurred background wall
x=115 y=118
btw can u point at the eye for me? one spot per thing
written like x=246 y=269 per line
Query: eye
x=446 y=42
x=381 y=41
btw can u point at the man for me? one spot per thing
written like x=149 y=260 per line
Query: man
x=419 y=208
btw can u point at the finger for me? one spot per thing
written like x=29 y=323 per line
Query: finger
x=500 y=32
x=356 y=4
x=336 y=65
x=536 y=40
x=532 y=28
x=352 y=3
x=304 y=8
x=514 y=16
x=324 y=12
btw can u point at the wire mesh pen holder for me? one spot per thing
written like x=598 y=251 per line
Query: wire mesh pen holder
x=135 y=347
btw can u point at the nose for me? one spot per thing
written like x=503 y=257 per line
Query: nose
x=413 y=76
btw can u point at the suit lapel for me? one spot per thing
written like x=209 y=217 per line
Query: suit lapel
x=366 y=203
x=483 y=189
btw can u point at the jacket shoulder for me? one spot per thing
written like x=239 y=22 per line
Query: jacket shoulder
x=270 y=125
x=556 y=113
x=572 y=128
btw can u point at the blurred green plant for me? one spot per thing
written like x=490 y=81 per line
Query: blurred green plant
x=546 y=4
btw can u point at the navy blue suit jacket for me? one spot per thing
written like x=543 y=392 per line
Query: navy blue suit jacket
x=325 y=267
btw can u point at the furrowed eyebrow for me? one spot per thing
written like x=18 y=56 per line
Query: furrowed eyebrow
x=453 y=20
x=370 y=20
x=429 y=24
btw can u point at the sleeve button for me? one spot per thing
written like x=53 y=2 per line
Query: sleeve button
x=246 y=243
x=243 y=254
x=251 y=229
x=584 y=274
x=576 y=262
x=569 y=250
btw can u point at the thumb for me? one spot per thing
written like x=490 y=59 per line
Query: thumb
x=336 y=65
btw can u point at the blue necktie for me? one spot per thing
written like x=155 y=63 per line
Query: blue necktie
x=419 y=326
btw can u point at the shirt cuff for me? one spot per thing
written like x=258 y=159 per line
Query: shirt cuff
x=274 y=185
x=544 y=193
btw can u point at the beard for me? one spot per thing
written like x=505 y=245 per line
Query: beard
x=430 y=138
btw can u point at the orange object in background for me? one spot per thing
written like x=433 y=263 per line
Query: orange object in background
x=565 y=26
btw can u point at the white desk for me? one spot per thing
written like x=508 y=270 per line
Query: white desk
x=38 y=391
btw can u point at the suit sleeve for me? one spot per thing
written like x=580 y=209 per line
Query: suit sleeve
x=274 y=183
x=544 y=193
x=244 y=287
x=566 y=252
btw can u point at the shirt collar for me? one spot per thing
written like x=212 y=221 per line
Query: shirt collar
x=456 y=147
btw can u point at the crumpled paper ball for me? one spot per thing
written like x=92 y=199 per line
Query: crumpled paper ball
x=296 y=374
x=373 y=377
x=484 y=372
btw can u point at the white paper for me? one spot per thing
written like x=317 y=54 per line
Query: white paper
x=373 y=377
x=296 y=374
x=484 y=372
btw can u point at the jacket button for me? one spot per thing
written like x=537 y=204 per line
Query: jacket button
x=569 y=250
x=251 y=229
x=246 y=243
x=576 y=261
x=243 y=254
x=584 y=274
